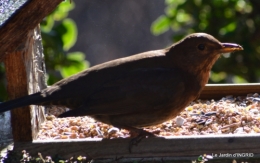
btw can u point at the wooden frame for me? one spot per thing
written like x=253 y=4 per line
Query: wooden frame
x=217 y=91
x=16 y=30
x=16 y=51
x=179 y=146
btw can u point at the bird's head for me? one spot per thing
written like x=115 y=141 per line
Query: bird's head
x=199 y=51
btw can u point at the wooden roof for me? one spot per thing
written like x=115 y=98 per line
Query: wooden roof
x=24 y=19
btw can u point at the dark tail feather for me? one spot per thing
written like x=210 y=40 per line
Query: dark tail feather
x=23 y=101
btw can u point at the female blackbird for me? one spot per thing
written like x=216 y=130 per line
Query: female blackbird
x=136 y=91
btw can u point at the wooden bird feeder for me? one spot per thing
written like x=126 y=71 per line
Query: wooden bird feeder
x=21 y=52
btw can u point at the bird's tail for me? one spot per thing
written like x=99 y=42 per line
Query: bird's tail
x=23 y=101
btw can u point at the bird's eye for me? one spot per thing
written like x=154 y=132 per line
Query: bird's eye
x=201 y=47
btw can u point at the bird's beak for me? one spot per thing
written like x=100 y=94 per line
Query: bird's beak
x=229 y=47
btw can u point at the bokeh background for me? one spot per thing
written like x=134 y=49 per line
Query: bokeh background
x=85 y=33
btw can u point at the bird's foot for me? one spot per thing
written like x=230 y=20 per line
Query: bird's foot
x=137 y=135
x=137 y=139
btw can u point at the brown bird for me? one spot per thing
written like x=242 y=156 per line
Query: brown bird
x=137 y=91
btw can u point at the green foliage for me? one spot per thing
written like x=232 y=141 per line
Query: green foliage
x=229 y=21
x=78 y=65
x=59 y=34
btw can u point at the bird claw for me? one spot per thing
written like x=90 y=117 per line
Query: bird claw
x=136 y=140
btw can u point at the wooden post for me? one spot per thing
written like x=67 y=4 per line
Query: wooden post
x=25 y=75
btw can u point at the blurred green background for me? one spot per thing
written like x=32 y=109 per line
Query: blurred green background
x=227 y=20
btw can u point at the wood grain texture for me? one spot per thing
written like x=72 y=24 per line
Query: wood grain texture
x=17 y=87
x=151 y=147
x=217 y=91
x=25 y=19
x=35 y=68
x=25 y=73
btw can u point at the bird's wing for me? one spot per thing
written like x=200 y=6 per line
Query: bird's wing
x=139 y=89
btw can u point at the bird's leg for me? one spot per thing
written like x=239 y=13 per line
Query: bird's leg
x=138 y=135
x=141 y=134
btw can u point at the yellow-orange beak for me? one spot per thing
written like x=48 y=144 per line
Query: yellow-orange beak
x=229 y=47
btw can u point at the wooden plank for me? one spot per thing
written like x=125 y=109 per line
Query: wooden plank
x=25 y=73
x=17 y=87
x=25 y=19
x=35 y=70
x=217 y=91
x=151 y=147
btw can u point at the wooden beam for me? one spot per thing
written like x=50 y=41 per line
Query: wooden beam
x=36 y=81
x=178 y=146
x=217 y=91
x=25 y=73
x=17 y=87
x=25 y=19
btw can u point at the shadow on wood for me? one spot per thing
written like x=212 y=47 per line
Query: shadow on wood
x=150 y=147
